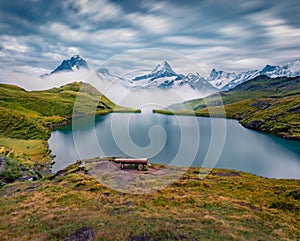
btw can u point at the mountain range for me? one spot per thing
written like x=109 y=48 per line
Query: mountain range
x=228 y=80
x=164 y=77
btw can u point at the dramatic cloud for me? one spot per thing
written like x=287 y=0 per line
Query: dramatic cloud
x=227 y=34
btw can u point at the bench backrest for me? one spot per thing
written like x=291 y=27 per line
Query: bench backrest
x=132 y=160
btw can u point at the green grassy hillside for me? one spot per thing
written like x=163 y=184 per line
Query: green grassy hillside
x=44 y=108
x=27 y=116
x=264 y=104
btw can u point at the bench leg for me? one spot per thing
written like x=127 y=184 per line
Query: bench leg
x=140 y=167
x=121 y=166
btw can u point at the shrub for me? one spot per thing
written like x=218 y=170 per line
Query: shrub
x=294 y=194
x=11 y=171
x=284 y=205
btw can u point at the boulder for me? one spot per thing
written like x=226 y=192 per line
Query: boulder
x=256 y=124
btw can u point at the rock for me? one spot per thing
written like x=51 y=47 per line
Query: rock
x=261 y=105
x=228 y=174
x=82 y=234
x=55 y=125
x=295 y=109
x=142 y=237
x=256 y=124
x=2 y=163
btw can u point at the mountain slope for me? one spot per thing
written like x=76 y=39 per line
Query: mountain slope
x=281 y=85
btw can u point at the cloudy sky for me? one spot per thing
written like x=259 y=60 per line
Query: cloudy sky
x=229 y=35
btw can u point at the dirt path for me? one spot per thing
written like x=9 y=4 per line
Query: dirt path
x=132 y=180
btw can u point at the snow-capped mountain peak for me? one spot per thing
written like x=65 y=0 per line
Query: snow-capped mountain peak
x=163 y=69
x=294 y=66
x=72 y=64
x=104 y=71
x=221 y=74
x=220 y=78
x=268 y=68
x=213 y=74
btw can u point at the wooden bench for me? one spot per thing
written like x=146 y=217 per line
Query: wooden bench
x=141 y=162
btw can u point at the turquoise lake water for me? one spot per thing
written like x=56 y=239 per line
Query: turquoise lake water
x=176 y=140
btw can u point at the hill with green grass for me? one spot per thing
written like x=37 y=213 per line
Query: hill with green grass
x=22 y=110
x=27 y=118
x=264 y=104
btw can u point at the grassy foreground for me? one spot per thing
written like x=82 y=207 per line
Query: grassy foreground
x=263 y=104
x=225 y=205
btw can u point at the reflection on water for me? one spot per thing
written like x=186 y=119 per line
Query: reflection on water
x=178 y=140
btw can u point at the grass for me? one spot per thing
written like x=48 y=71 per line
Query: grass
x=15 y=124
x=225 y=205
x=24 y=150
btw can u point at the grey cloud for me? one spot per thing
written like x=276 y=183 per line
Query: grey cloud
x=226 y=34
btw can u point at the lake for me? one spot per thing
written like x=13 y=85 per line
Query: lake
x=176 y=140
